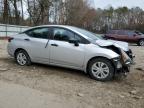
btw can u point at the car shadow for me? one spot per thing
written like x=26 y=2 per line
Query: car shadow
x=60 y=69
x=44 y=69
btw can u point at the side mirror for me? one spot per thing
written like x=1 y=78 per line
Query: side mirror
x=74 y=41
x=134 y=35
x=105 y=37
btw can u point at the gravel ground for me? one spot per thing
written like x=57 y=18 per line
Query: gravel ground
x=75 y=86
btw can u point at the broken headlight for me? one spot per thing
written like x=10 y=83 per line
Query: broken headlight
x=117 y=62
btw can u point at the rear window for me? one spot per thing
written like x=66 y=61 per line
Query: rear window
x=42 y=32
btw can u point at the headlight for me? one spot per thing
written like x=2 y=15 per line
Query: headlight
x=117 y=62
x=116 y=59
x=119 y=65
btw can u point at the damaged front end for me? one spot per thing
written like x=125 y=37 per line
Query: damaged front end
x=125 y=59
x=122 y=63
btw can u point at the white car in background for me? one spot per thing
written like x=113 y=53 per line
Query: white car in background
x=71 y=47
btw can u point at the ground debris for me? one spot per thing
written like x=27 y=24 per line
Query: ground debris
x=110 y=104
x=139 y=68
x=133 y=92
x=121 y=96
x=134 y=95
x=3 y=69
x=80 y=95
x=137 y=97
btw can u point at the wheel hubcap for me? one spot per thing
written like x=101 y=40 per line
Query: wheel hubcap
x=100 y=70
x=142 y=42
x=21 y=59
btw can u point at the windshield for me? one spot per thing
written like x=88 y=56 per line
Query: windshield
x=100 y=36
x=90 y=36
x=137 y=32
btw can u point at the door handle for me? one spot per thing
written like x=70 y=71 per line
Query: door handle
x=54 y=45
x=27 y=39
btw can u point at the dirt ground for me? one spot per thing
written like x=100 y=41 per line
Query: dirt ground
x=75 y=86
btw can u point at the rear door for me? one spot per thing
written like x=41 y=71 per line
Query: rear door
x=37 y=42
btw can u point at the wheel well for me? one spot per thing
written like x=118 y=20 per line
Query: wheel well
x=19 y=49
x=98 y=57
x=141 y=39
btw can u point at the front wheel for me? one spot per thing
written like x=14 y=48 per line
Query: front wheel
x=141 y=42
x=22 y=58
x=101 y=69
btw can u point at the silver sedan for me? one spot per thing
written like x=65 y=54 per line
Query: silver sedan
x=71 y=47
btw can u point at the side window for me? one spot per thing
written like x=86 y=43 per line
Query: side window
x=62 y=34
x=39 y=33
x=121 y=33
x=111 y=32
x=131 y=34
x=80 y=39
x=126 y=33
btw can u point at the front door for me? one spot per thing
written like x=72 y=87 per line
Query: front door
x=64 y=53
x=122 y=36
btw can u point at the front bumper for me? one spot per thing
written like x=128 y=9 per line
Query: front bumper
x=123 y=66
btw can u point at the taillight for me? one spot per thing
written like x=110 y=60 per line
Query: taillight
x=10 y=39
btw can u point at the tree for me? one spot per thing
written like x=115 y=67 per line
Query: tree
x=72 y=12
x=5 y=13
x=17 y=13
x=21 y=1
x=39 y=11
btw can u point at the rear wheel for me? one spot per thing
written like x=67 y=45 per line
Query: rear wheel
x=101 y=69
x=141 y=42
x=22 y=58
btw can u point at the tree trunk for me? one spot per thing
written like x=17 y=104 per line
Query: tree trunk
x=5 y=14
x=22 y=11
x=17 y=21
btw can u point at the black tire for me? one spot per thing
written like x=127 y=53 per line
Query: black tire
x=112 y=38
x=141 y=42
x=27 y=58
x=110 y=74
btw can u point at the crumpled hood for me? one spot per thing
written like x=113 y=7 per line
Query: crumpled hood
x=119 y=44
